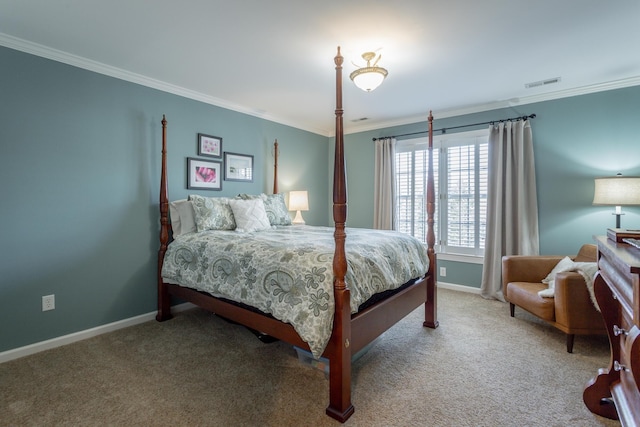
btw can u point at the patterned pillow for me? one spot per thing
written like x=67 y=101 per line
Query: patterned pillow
x=277 y=210
x=249 y=215
x=274 y=205
x=212 y=213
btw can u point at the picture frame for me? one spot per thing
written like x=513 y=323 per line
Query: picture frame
x=209 y=145
x=204 y=174
x=238 y=167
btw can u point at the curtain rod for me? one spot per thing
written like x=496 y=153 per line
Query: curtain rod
x=444 y=130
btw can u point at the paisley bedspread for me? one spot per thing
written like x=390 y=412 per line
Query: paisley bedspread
x=288 y=271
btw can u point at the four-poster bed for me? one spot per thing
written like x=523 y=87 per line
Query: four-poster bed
x=350 y=330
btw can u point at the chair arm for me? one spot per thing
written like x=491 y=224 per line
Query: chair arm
x=527 y=268
x=573 y=305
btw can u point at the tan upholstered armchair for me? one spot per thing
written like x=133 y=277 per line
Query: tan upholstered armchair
x=570 y=310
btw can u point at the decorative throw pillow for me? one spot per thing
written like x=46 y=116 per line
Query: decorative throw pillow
x=249 y=215
x=277 y=210
x=182 y=217
x=274 y=205
x=564 y=265
x=212 y=213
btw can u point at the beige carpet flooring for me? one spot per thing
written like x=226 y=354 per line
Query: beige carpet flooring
x=479 y=368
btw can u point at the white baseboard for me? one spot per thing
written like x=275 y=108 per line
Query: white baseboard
x=27 y=350
x=110 y=327
x=461 y=288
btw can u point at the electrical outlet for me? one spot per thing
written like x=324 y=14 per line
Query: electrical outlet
x=48 y=302
x=443 y=271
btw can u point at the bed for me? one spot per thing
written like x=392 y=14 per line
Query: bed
x=340 y=319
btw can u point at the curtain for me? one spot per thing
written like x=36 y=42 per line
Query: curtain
x=384 y=197
x=512 y=207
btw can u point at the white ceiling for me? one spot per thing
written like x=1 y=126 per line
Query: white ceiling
x=274 y=58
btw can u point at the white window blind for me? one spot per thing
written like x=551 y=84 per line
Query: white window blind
x=460 y=179
x=411 y=182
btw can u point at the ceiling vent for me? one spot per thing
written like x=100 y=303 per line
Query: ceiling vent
x=361 y=119
x=542 y=82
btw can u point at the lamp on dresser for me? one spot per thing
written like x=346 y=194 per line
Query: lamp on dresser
x=298 y=201
x=617 y=191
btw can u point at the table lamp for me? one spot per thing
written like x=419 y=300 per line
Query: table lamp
x=298 y=201
x=617 y=191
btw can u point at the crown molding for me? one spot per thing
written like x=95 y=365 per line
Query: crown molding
x=442 y=114
x=108 y=70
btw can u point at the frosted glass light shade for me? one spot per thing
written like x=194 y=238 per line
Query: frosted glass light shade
x=368 y=79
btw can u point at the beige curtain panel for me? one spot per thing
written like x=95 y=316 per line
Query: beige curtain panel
x=384 y=198
x=512 y=205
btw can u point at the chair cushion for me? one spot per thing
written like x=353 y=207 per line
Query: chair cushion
x=525 y=295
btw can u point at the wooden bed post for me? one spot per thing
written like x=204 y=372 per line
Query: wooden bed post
x=164 y=300
x=430 y=306
x=275 y=167
x=340 y=406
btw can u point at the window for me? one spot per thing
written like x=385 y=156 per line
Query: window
x=460 y=178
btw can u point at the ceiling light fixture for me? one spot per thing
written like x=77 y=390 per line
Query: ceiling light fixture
x=370 y=77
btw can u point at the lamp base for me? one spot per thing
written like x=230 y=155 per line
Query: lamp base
x=298 y=220
x=617 y=213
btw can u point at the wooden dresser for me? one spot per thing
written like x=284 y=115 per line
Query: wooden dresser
x=614 y=392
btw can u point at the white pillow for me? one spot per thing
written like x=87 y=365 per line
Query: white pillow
x=250 y=215
x=182 y=217
x=565 y=264
x=274 y=205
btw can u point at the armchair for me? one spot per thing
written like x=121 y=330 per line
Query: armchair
x=571 y=310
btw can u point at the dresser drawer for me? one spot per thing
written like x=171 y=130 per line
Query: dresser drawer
x=625 y=393
x=617 y=289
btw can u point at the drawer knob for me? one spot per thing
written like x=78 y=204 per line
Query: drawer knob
x=619 y=331
x=619 y=367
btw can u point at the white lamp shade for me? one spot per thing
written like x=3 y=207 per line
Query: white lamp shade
x=298 y=201
x=617 y=191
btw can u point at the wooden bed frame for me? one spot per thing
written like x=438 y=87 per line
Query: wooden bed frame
x=350 y=333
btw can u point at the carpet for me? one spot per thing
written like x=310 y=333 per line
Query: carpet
x=479 y=368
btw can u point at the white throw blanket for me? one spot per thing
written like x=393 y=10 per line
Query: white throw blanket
x=586 y=269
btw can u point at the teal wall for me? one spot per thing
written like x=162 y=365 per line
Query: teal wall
x=575 y=140
x=80 y=165
x=460 y=273
x=79 y=186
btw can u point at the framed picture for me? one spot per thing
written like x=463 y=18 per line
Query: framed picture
x=238 y=167
x=204 y=174
x=210 y=146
